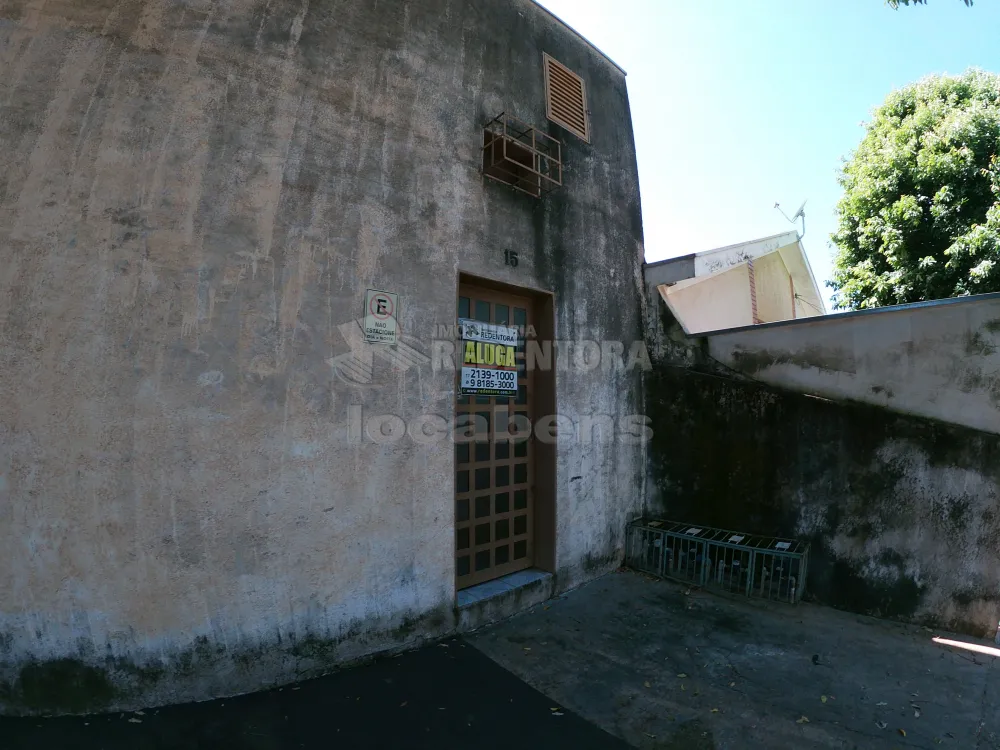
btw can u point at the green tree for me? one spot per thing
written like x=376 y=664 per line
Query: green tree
x=897 y=3
x=920 y=214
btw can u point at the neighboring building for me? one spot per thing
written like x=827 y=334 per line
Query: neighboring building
x=762 y=281
x=209 y=480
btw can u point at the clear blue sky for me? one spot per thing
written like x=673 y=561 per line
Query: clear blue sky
x=738 y=104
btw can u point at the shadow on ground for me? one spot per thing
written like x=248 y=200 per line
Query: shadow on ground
x=664 y=666
x=444 y=696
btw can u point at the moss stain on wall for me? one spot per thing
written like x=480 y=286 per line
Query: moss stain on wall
x=900 y=510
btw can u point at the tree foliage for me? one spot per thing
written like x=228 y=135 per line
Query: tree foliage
x=896 y=3
x=920 y=214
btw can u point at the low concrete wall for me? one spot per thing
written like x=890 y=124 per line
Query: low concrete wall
x=938 y=359
x=902 y=512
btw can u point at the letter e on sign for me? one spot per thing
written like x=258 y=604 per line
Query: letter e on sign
x=381 y=312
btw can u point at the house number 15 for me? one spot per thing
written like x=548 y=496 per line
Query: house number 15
x=510 y=258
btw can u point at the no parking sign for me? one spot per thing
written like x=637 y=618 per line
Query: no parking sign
x=381 y=310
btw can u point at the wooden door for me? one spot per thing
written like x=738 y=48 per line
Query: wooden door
x=494 y=466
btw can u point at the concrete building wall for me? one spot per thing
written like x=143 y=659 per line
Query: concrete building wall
x=901 y=512
x=938 y=360
x=720 y=301
x=193 y=199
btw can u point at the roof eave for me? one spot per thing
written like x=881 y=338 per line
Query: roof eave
x=795 y=259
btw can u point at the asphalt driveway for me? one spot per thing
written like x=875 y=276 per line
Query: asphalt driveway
x=445 y=696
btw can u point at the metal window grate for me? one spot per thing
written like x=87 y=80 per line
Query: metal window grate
x=518 y=155
x=757 y=566
x=566 y=98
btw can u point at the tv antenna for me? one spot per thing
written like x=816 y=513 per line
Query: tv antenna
x=800 y=214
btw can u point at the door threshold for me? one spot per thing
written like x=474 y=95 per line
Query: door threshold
x=500 y=586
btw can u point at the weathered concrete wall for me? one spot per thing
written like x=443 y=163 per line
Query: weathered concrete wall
x=939 y=360
x=903 y=513
x=193 y=198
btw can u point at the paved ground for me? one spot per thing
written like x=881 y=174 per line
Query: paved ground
x=442 y=697
x=647 y=661
x=665 y=669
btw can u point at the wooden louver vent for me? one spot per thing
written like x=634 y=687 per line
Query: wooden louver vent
x=566 y=98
